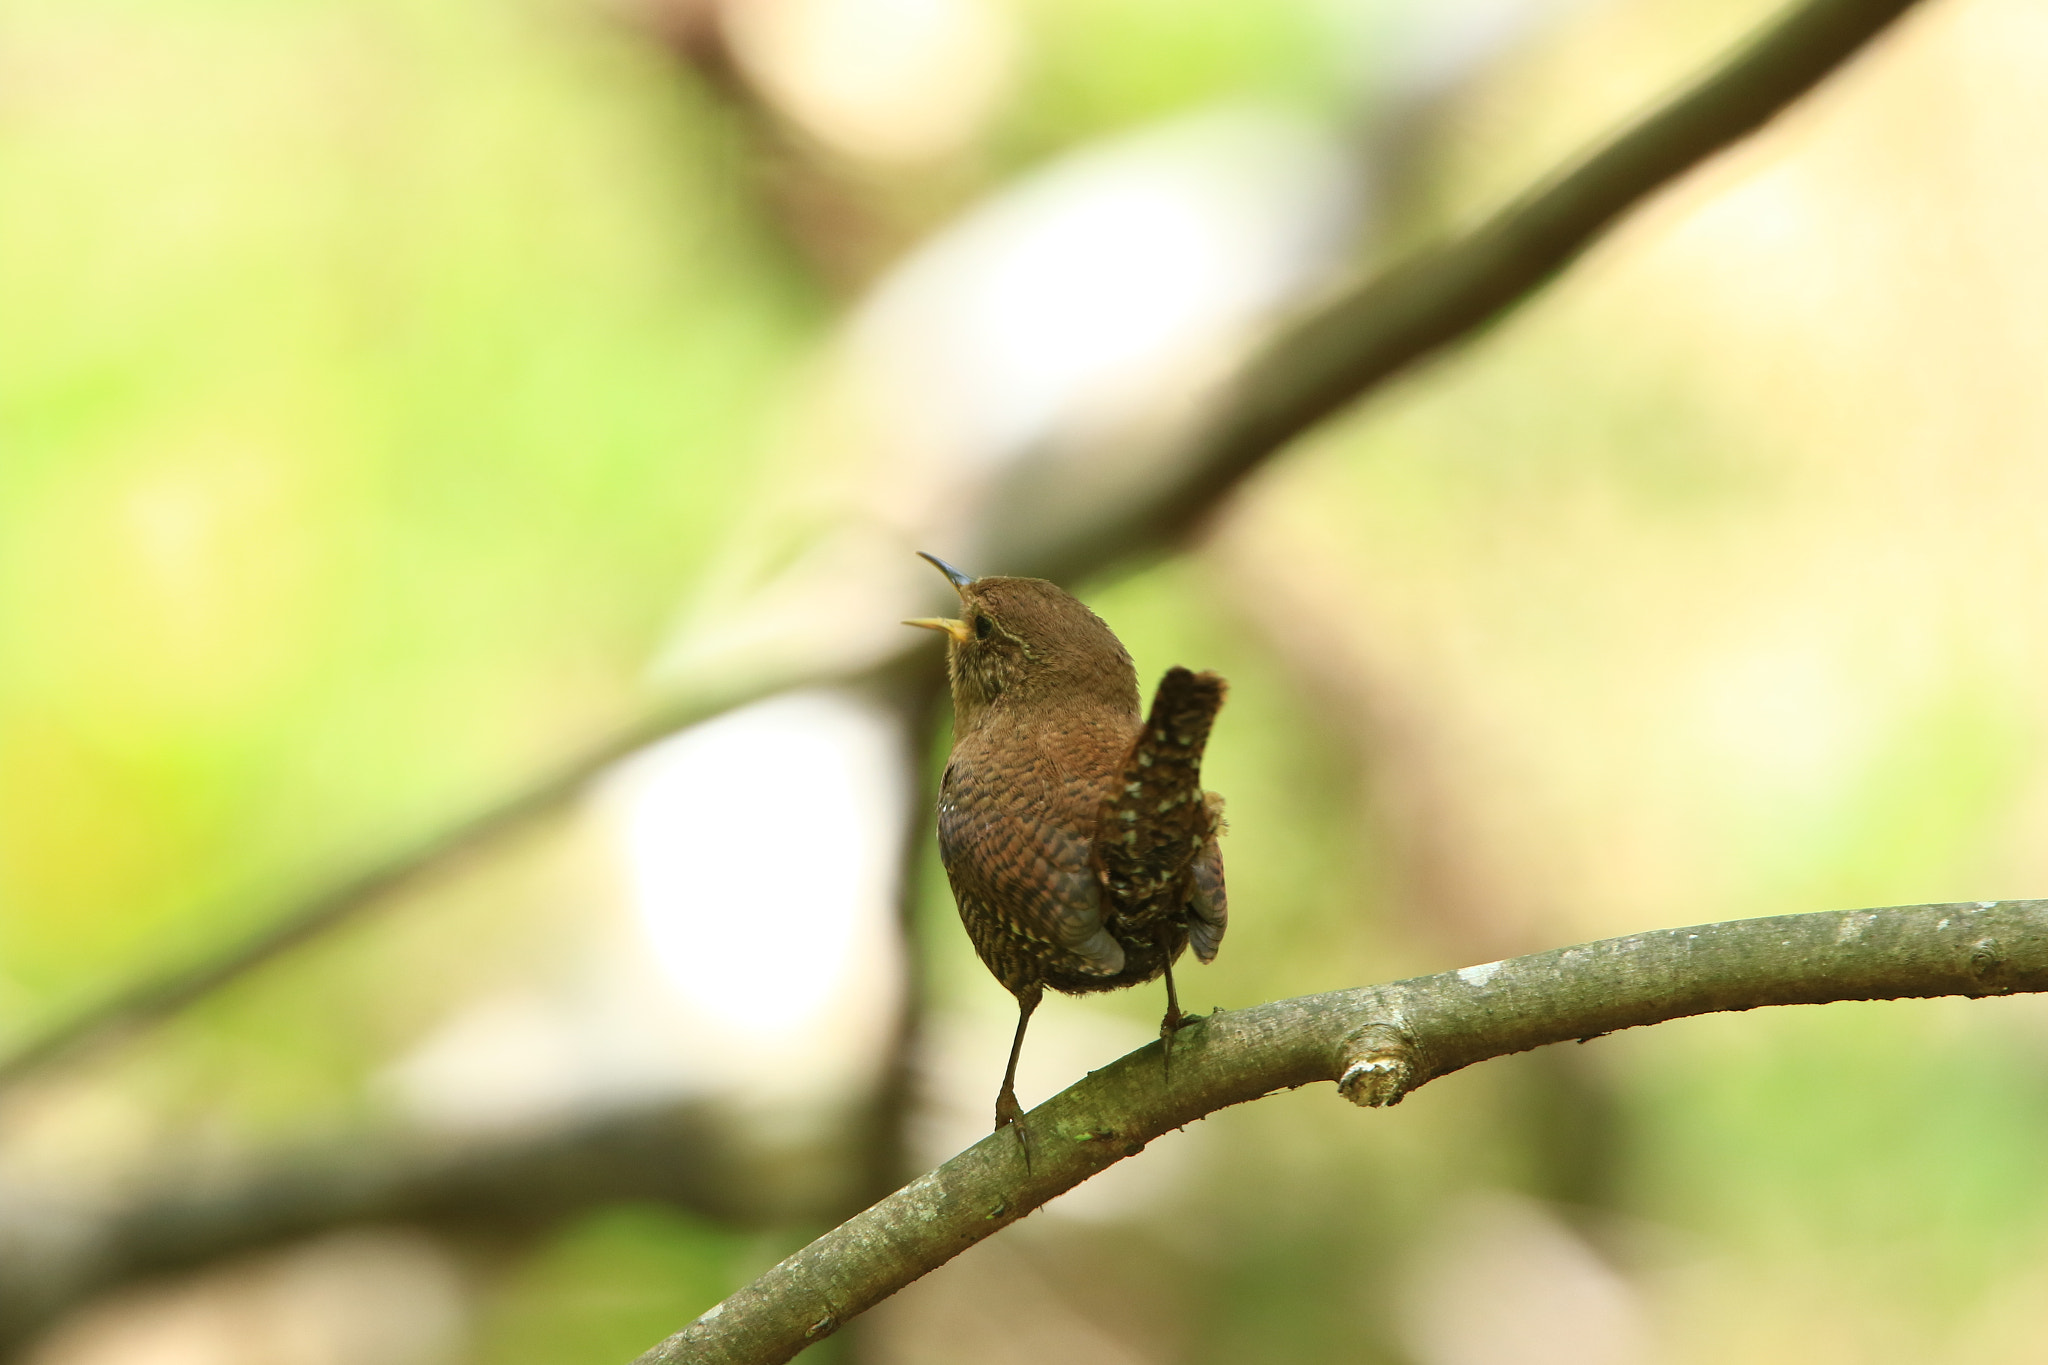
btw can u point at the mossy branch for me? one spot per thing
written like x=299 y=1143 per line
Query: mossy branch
x=1377 y=1044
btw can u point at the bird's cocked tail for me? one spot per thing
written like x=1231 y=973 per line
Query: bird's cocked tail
x=1155 y=824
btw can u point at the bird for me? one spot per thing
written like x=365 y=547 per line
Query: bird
x=1081 y=848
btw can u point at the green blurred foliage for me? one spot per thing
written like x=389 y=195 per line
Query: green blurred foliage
x=1096 y=66
x=372 y=378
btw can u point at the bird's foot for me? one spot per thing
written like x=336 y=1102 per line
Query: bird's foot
x=1010 y=1114
x=1168 y=1027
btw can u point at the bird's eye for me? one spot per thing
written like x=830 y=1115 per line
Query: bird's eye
x=983 y=627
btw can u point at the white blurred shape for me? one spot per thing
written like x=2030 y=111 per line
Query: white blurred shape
x=1103 y=286
x=885 y=80
x=760 y=852
x=1505 y=1282
x=353 y=1298
x=1092 y=280
x=1407 y=52
x=531 y=1059
x=1094 y=299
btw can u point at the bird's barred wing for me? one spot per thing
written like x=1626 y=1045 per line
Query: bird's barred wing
x=1208 y=905
x=1041 y=874
x=1157 y=820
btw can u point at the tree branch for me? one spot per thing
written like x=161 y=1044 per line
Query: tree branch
x=1311 y=369
x=1378 y=1043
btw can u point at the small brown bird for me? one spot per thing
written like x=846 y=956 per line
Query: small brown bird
x=1080 y=845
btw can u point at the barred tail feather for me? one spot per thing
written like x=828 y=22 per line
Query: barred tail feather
x=1158 y=821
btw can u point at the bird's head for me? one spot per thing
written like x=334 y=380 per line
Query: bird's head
x=1025 y=642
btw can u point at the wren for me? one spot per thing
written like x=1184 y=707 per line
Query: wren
x=1075 y=832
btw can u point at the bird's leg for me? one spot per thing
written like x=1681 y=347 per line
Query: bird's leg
x=1170 y=1025
x=1008 y=1111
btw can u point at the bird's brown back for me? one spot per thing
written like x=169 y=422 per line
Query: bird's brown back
x=1047 y=735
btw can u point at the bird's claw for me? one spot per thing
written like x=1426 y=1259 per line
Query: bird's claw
x=1169 y=1026
x=1010 y=1114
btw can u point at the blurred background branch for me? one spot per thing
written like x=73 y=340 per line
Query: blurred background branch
x=1325 y=361
x=159 y=996
x=53 y=1257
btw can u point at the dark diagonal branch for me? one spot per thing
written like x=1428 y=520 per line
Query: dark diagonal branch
x=1346 y=348
x=1377 y=1044
x=678 y=1155
x=1323 y=362
x=157 y=996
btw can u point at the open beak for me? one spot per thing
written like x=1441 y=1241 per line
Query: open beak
x=961 y=583
x=957 y=629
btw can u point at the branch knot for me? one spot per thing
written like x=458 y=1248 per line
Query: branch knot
x=1380 y=1068
x=1988 y=966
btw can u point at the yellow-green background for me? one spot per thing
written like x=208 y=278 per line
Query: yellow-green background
x=376 y=379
